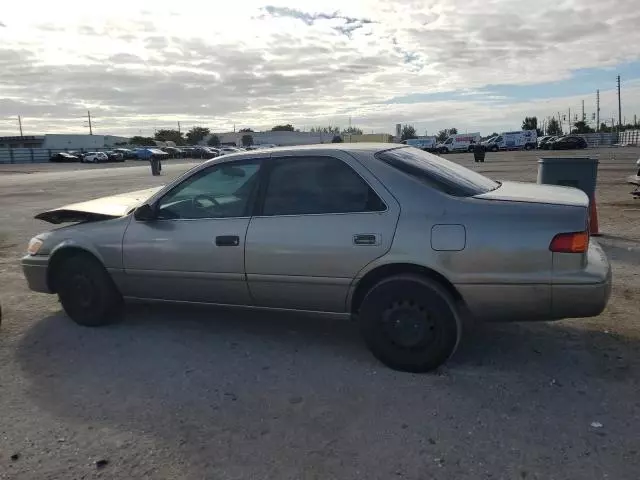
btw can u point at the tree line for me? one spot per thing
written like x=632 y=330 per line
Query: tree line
x=196 y=134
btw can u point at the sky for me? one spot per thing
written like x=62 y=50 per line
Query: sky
x=477 y=65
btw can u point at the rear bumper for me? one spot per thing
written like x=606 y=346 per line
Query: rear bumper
x=585 y=293
x=35 y=272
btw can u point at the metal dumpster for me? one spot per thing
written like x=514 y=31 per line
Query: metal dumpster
x=577 y=172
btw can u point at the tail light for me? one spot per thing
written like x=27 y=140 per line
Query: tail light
x=574 y=242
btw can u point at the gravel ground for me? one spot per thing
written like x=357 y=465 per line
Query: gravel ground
x=186 y=393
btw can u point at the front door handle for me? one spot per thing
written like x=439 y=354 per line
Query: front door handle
x=365 y=239
x=227 y=241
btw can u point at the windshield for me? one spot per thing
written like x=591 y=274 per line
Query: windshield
x=444 y=175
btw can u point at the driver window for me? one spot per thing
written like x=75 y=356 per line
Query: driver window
x=221 y=191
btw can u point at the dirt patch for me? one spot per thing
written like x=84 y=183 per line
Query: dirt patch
x=6 y=246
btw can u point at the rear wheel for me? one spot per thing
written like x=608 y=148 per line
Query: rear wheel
x=410 y=323
x=87 y=292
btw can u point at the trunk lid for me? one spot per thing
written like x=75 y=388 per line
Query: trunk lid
x=536 y=193
x=104 y=208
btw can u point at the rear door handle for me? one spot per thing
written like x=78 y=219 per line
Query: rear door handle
x=365 y=239
x=228 y=241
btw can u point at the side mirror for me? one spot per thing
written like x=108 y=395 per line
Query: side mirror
x=144 y=213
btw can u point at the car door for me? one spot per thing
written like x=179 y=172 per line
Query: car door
x=194 y=250
x=318 y=224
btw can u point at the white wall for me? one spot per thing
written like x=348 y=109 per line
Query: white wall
x=74 y=142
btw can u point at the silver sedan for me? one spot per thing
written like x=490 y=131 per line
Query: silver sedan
x=405 y=242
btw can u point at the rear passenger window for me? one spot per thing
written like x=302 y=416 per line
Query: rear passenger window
x=317 y=185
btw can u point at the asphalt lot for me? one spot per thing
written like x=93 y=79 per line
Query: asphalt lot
x=185 y=393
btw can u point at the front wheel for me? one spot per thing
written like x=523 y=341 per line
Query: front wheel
x=494 y=148
x=87 y=292
x=410 y=323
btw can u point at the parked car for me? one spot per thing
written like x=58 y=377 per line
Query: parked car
x=173 y=152
x=115 y=156
x=127 y=153
x=63 y=157
x=204 y=152
x=406 y=242
x=228 y=150
x=542 y=140
x=568 y=143
x=95 y=157
x=150 y=152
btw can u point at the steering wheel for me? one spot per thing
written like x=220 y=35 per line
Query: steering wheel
x=197 y=204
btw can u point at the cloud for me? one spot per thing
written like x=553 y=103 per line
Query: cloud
x=311 y=18
x=436 y=64
x=2 y=24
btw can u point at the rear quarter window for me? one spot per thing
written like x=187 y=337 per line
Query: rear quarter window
x=436 y=172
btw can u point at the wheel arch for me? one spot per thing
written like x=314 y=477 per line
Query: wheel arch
x=381 y=272
x=59 y=255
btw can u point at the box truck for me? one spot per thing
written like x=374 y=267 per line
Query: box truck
x=518 y=140
x=460 y=142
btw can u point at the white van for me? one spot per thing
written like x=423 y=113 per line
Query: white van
x=424 y=143
x=460 y=142
x=518 y=140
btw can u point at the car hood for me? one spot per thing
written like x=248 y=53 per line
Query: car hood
x=536 y=193
x=104 y=208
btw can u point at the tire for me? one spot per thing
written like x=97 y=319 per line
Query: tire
x=410 y=323
x=494 y=148
x=527 y=147
x=87 y=292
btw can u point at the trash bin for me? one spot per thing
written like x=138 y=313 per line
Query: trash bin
x=577 y=172
x=478 y=152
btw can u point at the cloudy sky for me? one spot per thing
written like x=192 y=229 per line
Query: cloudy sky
x=478 y=65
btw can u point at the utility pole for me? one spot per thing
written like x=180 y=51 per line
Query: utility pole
x=597 y=110
x=583 y=119
x=569 y=119
x=178 y=128
x=90 y=126
x=619 y=106
x=20 y=124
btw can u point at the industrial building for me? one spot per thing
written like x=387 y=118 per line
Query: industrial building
x=287 y=138
x=56 y=141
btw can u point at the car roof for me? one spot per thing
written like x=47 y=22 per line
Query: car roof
x=322 y=147
x=306 y=150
